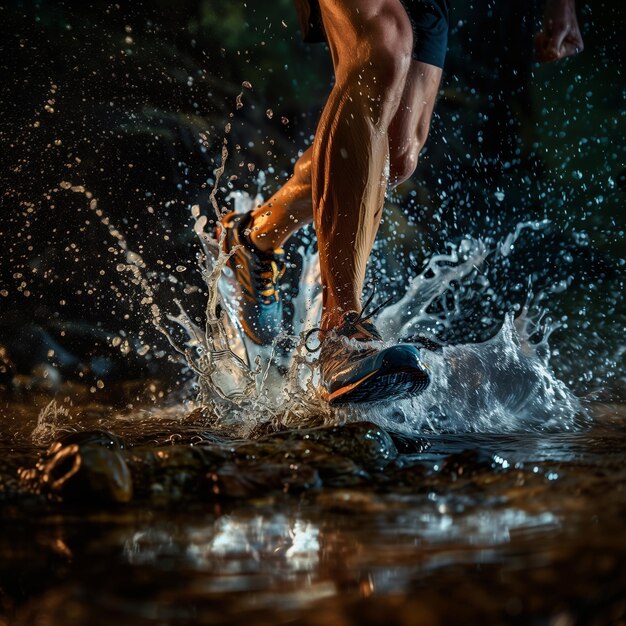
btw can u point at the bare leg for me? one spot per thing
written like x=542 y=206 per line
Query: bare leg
x=291 y=207
x=371 y=44
x=288 y=210
x=411 y=123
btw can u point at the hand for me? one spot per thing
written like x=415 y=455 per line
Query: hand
x=560 y=36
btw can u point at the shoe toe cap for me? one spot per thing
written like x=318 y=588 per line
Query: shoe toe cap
x=402 y=355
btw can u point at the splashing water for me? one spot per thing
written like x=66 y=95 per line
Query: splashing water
x=49 y=421
x=503 y=384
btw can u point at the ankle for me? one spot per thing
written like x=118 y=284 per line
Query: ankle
x=333 y=318
x=261 y=241
x=260 y=235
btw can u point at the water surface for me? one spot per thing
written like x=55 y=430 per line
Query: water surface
x=334 y=525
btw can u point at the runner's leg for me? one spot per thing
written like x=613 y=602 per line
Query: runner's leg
x=291 y=207
x=288 y=210
x=411 y=123
x=371 y=43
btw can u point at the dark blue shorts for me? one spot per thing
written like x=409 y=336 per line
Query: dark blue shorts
x=428 y=17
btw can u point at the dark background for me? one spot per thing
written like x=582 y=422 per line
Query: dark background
x=130 y=100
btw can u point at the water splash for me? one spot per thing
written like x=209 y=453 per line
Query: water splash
x=49 y=421
x=503 y=384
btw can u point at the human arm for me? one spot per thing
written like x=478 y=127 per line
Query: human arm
x=560 y=36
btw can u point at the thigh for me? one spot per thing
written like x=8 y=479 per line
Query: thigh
x=354 y=27
x=428 y=19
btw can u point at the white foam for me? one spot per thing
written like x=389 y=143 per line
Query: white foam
x=503 y=384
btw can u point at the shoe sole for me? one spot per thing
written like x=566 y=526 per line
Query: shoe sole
x=398 y=384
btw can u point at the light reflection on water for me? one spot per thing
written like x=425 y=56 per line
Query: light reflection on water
x=230 y=537
x=295 y=544
x=486 y=528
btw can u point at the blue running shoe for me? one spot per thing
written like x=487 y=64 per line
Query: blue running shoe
x=355 y=367
x=258 y=274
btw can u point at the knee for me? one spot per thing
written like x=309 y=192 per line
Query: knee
x=302 y=168
x=404 y=153
x=383 y=53
x=403 y=162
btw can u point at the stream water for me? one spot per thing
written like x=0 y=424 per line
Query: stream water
x=161 y=520
x=497 y=496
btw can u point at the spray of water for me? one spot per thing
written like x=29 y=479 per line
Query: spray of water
x=49 y=421
x=503 y=384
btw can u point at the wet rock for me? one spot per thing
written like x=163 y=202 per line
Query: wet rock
x=94 y=437
x=411 y=476
x=95 y=467
x=364 y=443
x=83 y=473
x=333 y=469
x=174 y=472
x=468 y=463
x=257 y=450
x=236 y=481
x=340 y=472
x=409 y=445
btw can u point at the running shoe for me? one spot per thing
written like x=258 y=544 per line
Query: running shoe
x=356 y=367
x=257 y=274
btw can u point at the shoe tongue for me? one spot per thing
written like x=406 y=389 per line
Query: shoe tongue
x=268 y=261
x=360 y=330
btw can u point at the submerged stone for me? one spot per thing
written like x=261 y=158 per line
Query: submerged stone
x=85 y=467
x=364 y=443
x=95 y=437
x=173 y=472
x=93 y=467
x=253 y=480
x=468 y=463
x=86 y=474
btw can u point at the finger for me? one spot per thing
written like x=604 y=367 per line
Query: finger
x=559 y=33
x=577 y=40
x=570 y=48
x=555 y=40
x=543 y=52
